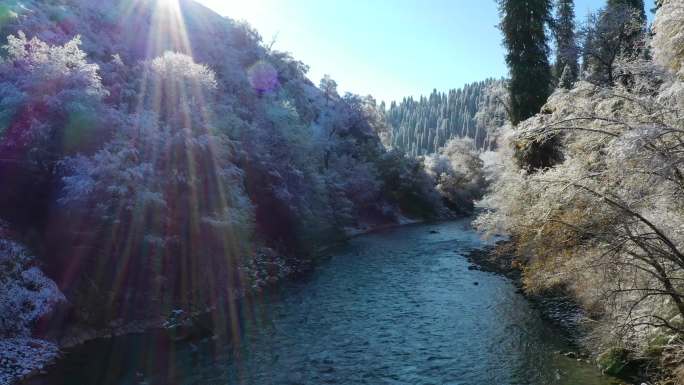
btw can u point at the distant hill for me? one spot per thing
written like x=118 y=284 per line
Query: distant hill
x=422 y=126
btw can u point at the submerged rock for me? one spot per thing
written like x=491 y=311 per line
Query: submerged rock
x=181 y=326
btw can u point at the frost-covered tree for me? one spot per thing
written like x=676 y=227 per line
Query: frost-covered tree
x=668 y=40
x=166 y=187
x=524 y=25
x=353 y=189
x=178 y=90
x=50 y=107
x=493 y=113
x=284 y=178
x=614 y=32
x=606 y=222
x=50 y=99
x=26 y=294
x=166 y=199
x=408 y=185
x=329 y=87
x=637 y=5
x=567 y=52
x=377 y=118
x=458 y=173
x=566 y=79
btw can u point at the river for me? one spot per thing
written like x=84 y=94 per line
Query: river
x=394 y=307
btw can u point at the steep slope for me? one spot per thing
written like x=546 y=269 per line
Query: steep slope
x=605 y=224
x=155 y=156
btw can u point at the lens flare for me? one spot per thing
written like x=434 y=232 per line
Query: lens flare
x=263 y=76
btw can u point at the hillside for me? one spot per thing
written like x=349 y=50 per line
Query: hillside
x=423 y=126
x=590 y=190
x=156 y=156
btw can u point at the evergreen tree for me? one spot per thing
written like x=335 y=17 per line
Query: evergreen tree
x=632 y=46
x=636 y=4
x=566 y=46
x=566 y=79
x=523 y=25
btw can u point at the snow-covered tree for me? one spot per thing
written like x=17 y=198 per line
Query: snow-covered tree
x=458 y=173
x=166 y=185
x=567 y=52
x=637 y=5
x=668 y=40
x=329 y=87
x=609 y=34
x=408 y=185
x=26 y=294
x=606 y=222
x=566 y=79
x=46 y=91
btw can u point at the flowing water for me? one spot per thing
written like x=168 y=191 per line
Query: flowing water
x=394 y=307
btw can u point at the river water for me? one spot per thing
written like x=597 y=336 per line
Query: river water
x=393 y=307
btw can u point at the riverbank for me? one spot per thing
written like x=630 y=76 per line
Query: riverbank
x=558 y=308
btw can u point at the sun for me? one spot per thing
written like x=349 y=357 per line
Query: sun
x=168 y=5
x=168 y=30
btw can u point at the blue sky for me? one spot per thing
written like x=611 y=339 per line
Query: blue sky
x=386 y=48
